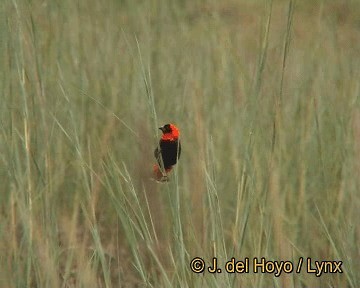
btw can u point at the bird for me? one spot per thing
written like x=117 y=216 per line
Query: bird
x=167 y=153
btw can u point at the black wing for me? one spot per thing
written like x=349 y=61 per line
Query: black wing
x=168 y=153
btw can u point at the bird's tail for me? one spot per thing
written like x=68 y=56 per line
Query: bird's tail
x=159 y=174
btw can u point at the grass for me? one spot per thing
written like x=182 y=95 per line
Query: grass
x=266 y=95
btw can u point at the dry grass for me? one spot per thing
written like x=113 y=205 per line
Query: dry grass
x=266 y=97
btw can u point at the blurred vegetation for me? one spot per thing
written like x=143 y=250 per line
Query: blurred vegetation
x=266 y=94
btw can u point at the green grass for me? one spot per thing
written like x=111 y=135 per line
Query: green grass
x=266 y=95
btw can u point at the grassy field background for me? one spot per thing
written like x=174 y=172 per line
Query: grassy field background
x=266 y=95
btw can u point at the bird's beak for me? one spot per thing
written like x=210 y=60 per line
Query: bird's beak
x=161 y=128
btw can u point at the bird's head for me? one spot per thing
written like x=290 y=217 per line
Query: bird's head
x=170 y=132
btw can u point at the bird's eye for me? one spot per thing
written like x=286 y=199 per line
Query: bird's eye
x=167 y=128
